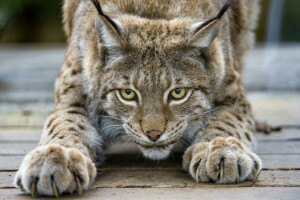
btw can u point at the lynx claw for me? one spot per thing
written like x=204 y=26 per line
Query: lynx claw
x=238 y=174
x=78 y=185
x=221 y=173
x=255 y=179
x=254 y=173
x=197 y=174
x=55 y=190
x=33 y=187
x=22 y=188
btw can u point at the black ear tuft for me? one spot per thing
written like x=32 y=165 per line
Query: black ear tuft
x=100 y=12
x=220 y=14
x=224 y=9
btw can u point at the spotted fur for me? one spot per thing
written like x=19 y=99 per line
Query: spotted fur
x=150 y=47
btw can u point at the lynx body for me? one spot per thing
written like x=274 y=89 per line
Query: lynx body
x=154 y=72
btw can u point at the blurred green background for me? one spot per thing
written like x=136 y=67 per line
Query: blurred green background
x=30 y=21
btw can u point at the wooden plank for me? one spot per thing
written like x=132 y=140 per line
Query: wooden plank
x=262 y=193
x=23 y=118
x=7 y=179
x=277 y=147
x=16 y=148
x=171 y=179
x=280 y=161
x=276 y=107
x=133 y=162
x=20 y=135
x=287 y=134
x=10 y=162
x=288 y=178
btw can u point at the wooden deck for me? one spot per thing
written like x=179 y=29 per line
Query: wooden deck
x=26 y=98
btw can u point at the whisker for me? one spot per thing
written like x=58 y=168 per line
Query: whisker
x=114 y=131
x=182 y=140
x=138 y=156
x=172 y=154
x=121 y=137
x=212 y=110
x=110 y=117
x=111 y=126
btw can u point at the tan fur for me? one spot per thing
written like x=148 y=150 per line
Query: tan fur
x=150 y=47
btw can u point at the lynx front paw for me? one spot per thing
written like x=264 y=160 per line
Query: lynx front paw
x=223 y=160
x=52 y=170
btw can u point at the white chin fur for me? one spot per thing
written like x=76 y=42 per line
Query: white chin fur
x=155 y=154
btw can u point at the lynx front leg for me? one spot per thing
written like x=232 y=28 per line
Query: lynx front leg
x=63 y=161
x=221 y=152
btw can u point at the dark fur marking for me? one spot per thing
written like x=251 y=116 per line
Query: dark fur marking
x=230 y=124
x=76 y=112
x=230 y=80
x=72 y=129
x=50 y=122
x=52 y=129
x=74 y=72
x=229 y=133
x=54 y=135
x=238 y=117
x=76 y=105
x=84 y=96
x=248 y=136
x=81 y=127
x=220 y=129
x=68 y=88
x=249 y=122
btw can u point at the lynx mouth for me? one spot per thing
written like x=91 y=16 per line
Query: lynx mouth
x=156 y=153
x=158 y=146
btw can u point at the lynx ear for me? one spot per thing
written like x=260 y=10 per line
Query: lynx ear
x=205 y=33
x=109 y=29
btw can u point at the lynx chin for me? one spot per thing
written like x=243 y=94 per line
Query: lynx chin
x=156 y=73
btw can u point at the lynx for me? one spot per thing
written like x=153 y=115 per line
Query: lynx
x=154 y=72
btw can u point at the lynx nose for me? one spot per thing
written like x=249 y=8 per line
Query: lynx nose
x=153 y=135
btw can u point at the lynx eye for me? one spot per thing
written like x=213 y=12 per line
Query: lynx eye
x=127 y=94
x=178 y=93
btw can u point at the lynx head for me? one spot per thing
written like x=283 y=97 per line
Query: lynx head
x=156 y=77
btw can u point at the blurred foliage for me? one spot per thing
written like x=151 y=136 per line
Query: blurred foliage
x=31 y=21
x=40 y=21
x=261 y=30
x=290 y=30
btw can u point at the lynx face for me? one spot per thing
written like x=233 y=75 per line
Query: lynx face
x=157 y=77
x=157 y=104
